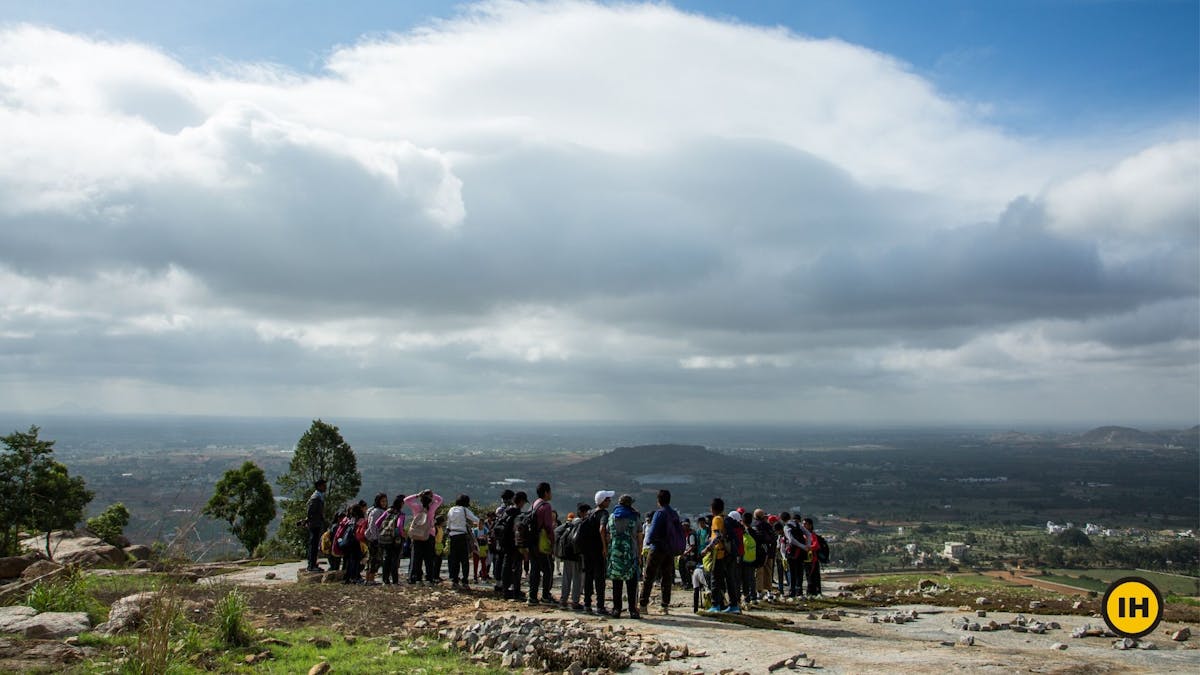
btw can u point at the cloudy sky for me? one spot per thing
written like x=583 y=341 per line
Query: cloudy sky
x=865 y=212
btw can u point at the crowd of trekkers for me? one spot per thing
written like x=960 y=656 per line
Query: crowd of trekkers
x=728 y=559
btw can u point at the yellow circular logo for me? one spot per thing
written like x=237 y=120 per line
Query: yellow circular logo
x=1132 y=607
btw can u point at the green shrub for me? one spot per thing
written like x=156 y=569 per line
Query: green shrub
x=69 y=593
x=110 y=524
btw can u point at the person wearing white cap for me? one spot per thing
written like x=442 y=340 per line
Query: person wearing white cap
x=592 y=542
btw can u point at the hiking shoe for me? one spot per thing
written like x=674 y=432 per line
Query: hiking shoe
x=715 y=609
x=532 y=601
x=732 y=609
x=644 y=607
x=634 y=614
x=580 y=608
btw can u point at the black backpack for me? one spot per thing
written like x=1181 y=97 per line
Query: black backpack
x=503 y=531
x=523 y=530
x=733 y=538
x=587 y=534
x=822 y=550
x=564 y=541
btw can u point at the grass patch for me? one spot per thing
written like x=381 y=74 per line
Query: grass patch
x=67 y=593
x=1075 y=582
x=366 y=655
x=116 y=586
x=1181 y=600
x=1166 y=583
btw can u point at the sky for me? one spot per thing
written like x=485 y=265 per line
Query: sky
x=846 y=212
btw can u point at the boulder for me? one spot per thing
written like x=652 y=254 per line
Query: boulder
x=11 y=618
x=1182 y=634
x=306 y=577
x=69 y=547
x=41 y=568
x=139 y=552
x=127 y=613
x=12 y=567
x=55 y=625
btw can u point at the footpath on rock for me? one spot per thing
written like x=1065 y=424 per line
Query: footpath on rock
x=298 y=617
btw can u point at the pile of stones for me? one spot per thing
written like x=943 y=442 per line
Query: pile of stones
x=897 y=617
x=1020 y=624
x=561 y=645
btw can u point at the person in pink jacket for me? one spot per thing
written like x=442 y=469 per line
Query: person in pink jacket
x=424 y=506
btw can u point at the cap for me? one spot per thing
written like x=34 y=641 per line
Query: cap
x=741 y=510
x=735 y=516
x=601 y=495
x=772 y=519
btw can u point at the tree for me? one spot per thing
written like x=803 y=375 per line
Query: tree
x=110 y=524
x=244 y=499
x=39 y=493
x=320 y=453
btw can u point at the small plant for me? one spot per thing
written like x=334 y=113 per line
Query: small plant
x=151 y=655
x=229 y=618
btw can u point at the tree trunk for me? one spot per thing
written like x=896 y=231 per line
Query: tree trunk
x=49 y=555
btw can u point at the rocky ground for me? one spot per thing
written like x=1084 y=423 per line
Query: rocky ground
x=921 y=630
x=856 y=637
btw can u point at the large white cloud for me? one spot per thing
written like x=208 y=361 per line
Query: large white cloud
x=616 y=211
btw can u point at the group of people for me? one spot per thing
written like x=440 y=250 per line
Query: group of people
x=738 y=556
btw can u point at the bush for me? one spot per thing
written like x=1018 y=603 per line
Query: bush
x=110 y=524
x=229 y=619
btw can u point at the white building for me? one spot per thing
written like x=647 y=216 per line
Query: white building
x=955 y=550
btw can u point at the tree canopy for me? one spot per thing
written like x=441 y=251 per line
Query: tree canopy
x=320 y=453
x=40 y=495
x=244 y=499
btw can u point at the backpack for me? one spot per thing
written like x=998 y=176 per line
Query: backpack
x=388 y=527
x=749 y=548
x=502 y=532
x=360 y=530
x=791 y=550
x=673 y=539
x=587 y=534
x=374 y=518
x=421 y=525
x=564 y=541
x=523 y=530
x=326 y=542
x=822 y=549
x=733 y=538
x=343 y=539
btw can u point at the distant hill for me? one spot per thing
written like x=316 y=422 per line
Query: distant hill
x=1127 y=436
x=653 y=459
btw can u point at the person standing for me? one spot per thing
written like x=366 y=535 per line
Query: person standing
x=766 y=552
x=391 y=540
x=797 y=553
x=460 y=522
x=541 y=574
x=623 y=554
x=572 y=569
x=812 y=568
x=719 y=547
x=424 y=506
x=374 y=551
x=512 y=562
x=506 y=499
x=664 y=533
x=479 y=554
x=592 y=543
x=314 y=520
x=687 y=561
x=352 y=546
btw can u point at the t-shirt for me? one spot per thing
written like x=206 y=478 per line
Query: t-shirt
x=456 y=520
x=718 y=530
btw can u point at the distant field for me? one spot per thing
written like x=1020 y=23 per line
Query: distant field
x=1100 y=579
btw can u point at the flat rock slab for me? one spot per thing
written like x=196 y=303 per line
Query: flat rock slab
x=47 y=625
